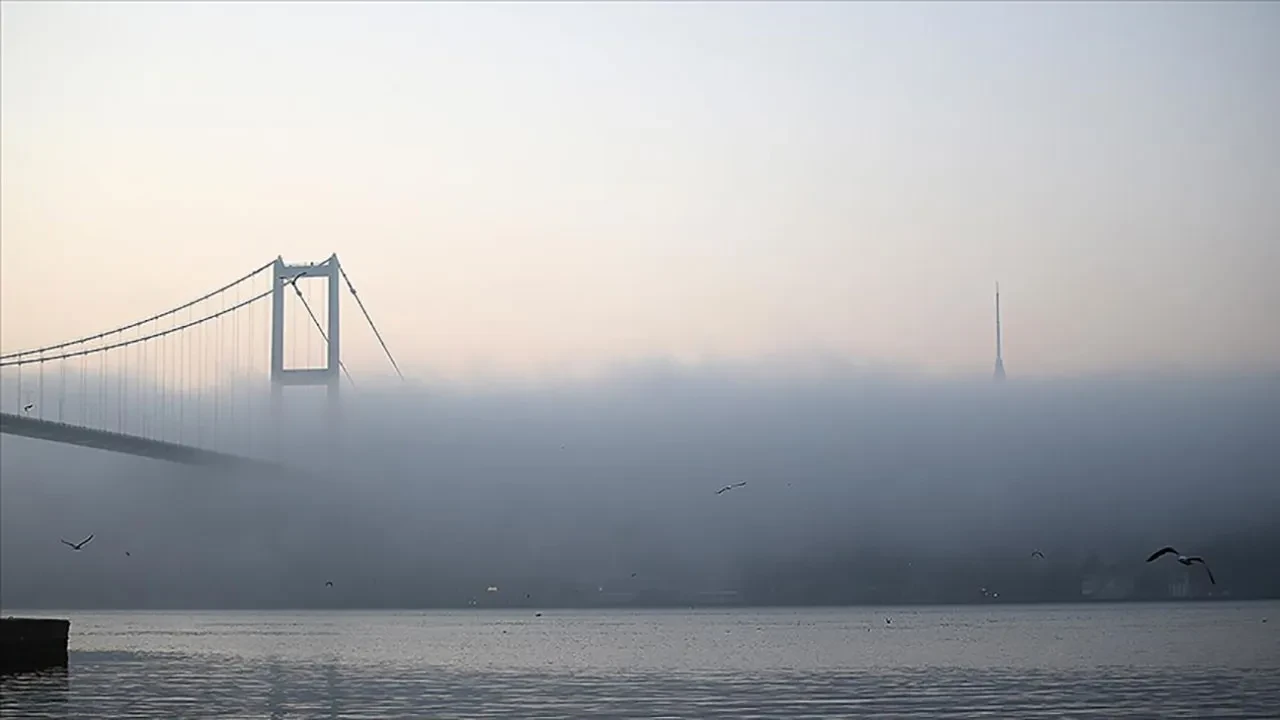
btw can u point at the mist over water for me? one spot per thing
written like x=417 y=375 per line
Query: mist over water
x=558 y=491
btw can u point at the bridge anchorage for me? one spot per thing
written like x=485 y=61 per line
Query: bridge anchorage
x=201 y=383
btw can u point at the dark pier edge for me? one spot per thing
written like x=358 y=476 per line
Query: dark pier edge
x=30 y=644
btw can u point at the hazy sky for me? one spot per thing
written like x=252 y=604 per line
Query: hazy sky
x=529 y=187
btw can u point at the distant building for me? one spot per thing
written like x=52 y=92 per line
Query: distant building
x=1107 y=586
x=1180 y=587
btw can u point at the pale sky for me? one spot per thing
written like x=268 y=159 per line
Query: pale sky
x=529 y=187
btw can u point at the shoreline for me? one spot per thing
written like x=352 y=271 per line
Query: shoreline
x=39 y=613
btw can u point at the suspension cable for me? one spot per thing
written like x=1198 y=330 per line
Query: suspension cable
x=126 y=343
x=370 y=321
x=130 y=326
x=323 y=335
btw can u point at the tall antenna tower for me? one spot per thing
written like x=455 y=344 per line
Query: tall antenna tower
x=999 y=374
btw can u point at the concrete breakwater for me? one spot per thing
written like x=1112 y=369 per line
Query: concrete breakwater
x=29 y=644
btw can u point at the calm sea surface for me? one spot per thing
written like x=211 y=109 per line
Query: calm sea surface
x=1108 y=661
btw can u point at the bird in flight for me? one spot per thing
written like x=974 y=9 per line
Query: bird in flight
x=77 y=546
x=328 y=583
x=1037 y=553
x=1184 y=559
x=27 y=408
x=727 y=488
x=128 y=554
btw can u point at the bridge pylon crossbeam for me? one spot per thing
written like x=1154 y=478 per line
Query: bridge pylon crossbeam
x=285 y=279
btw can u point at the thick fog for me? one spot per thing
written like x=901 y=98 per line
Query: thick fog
x=565 y=492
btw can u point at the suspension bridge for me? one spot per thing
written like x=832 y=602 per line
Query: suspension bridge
x=202 y=383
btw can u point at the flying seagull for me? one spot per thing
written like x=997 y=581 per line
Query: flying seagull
x=1184 y=559
x=1037 y=553
x=77 y=546
x=27 y=408
x=727 y=488
x=328 y=583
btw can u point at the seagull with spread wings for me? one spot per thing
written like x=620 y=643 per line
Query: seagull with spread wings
x=1184 y=559
x=77 y=546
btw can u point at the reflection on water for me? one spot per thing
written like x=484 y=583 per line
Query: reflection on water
x=1153 y=661
x=38 y=694
x=160 y=687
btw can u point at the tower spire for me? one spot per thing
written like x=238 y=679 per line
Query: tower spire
x=999 y=374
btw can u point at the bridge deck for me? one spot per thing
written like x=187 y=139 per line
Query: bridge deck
x=52 y=431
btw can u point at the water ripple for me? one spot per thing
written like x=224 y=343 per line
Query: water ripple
x=654 y=666
x=168 y=687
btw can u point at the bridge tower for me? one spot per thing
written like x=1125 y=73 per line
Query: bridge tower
x=284 y=280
